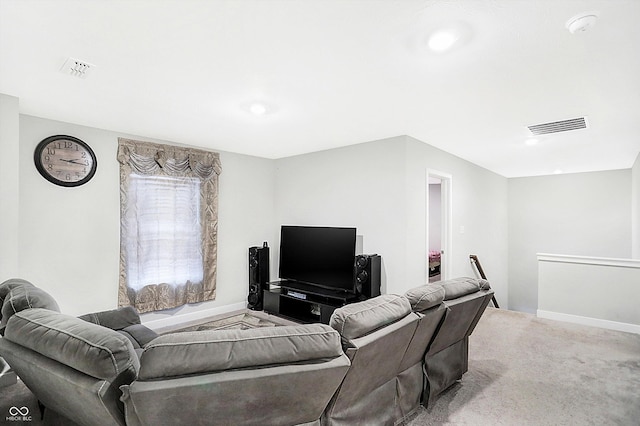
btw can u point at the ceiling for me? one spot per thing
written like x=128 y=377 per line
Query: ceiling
x=338 y=72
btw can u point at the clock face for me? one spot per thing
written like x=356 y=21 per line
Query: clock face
x=65 y=160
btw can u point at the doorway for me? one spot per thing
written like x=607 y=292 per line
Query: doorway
x=438 y=225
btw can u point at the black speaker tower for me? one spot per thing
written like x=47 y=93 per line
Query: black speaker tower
x=367 y=274
x=258 y=275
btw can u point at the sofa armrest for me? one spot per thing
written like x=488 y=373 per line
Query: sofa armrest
x=139 y=335
x=126 y=321
x=115 y=319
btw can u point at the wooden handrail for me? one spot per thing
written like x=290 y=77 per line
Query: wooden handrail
x=476 y=262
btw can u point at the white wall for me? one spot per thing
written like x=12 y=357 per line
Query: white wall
x=9 y=188
x=635 y=208
x=584 y=214
x=361 y=186
x=479 y=204
x=69 y=237
x=381 y=188
x=601 y=292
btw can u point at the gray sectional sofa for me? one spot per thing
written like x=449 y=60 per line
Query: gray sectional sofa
x=376 y=362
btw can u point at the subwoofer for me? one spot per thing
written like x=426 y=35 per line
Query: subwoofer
x=367 y=274
x=258 y=275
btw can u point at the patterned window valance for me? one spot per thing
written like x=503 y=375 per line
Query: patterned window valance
x=182 y=165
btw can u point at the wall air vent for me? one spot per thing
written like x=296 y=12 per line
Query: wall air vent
x=77 y=68
x=558 y=126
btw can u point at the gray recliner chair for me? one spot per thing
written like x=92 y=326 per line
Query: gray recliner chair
x=74 y=368
x=426 y=301
x=15 y=295
x=43 y=347
x=447 y=358
x=375 y=336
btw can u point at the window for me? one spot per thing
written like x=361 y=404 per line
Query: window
x=164 y=242
x=168 y=225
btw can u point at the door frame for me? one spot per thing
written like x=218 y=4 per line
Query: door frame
x=446 y=192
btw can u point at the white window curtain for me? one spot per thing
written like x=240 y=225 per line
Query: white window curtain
x=164 y=242
x=168 y=227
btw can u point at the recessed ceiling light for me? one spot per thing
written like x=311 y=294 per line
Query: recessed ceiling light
x=442 y=40
x=258 y=108
x=531 y=142
x=557 y=172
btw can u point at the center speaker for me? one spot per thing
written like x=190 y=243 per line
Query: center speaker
x=367 y=273
x=258 y=275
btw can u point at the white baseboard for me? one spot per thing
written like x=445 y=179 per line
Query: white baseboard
x=191 y=317
x=593 y=322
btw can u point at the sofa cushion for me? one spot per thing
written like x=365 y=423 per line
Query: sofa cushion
x=94 y=350
x=458 y=287
x=179 y=354
x=22 y=297
x=358 y=319
x=425 y=296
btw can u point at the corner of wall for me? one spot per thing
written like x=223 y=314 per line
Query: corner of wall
x=635 y=208
x=9 y=185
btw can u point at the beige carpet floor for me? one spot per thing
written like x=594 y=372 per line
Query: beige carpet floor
x=522 y=371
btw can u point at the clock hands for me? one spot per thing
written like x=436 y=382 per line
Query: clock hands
x=72 y=161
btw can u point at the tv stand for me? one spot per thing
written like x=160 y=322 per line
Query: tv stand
x=304 y=303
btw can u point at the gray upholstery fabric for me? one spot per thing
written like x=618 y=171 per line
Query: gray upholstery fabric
x=75 y=368
x=368 y=393
x=426 y=331
x=139 y=334
x=425 y=296
x=67 y=392
x=410 y=377
x=20 y=295
x=444 y=368
x=446 y=358
x=358 y=319
x=94 y=350
x=458 y=287
x=7 y=285
x=126 y=321
x=265 y=376
x=409 y=387
x=287 y=394
x=215 y=350
x=115 y=319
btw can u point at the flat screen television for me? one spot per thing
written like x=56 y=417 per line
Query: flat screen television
x=319 y=256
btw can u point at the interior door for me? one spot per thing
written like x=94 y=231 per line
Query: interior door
x=438 y=225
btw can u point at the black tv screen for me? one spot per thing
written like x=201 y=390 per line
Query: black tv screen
x=321 y=256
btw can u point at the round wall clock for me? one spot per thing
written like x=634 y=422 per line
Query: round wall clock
x=65 y=160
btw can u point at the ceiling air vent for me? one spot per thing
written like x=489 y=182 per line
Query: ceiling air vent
x=77 y=68
x=558 y=126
